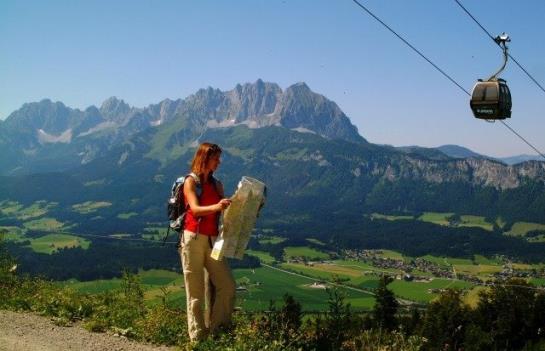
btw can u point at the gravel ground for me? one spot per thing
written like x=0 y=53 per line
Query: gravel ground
x=25 y=331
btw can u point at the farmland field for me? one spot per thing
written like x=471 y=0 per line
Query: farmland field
x=521 y=228
x=51 y=243
x=389 y=217
x=127 y=215
x=90 y=206
x=304 y=251
x=262 y=284
x=45 y=224
x=262 y=255
x=270 y=239
x=475 y=221
x=436 y=217
x=12 y=233
x=421 y=291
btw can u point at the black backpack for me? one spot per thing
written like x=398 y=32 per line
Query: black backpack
x=176 y=206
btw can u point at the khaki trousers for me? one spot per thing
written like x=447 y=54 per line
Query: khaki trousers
x=195 y=254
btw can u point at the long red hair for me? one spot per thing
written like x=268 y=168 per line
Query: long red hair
x=204 y=153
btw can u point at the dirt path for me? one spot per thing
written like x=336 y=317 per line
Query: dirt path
x=25 y=331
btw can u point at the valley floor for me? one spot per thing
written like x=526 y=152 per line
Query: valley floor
x=25 y=331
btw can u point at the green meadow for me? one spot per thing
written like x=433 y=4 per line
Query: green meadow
x=389 y=217
x=12 y=233
x=49 y=244
x=315 y=241
x=45 y=224
x=264 y=239
x=262 y=255
x=90 y=206
x=422 y=291
x=127 y=215
x=475 y=221
x=261 y=286
x=19 y=211
x=304 y=251
x=521 y=228
x=10 y=208
x=436 y=217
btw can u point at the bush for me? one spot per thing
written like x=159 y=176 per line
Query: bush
x=162 y=325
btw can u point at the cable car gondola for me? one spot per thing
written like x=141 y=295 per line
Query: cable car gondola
x=491 y=99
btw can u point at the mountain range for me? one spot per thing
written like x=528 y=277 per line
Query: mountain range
x=301 y=144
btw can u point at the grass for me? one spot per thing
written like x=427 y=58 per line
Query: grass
x=477 y=269
x=485 y=260
x=90 y=206
x=46 y=224
x=37 y=209
x=51 y=243
x=475 y=221
x=10 y=208
x=440 y=218
x=394 y=255
x=420 y=291
x=274 y=284
x=537 y=281
x=436 y=217
x=263 y=285
x=321 y=272
x=389 y=217
x=315 y=241
x=262 y=255
x=127 y=215
x=290 y=154
x=264 y=239
x=521 y=228
x=304 y=251
x=12 y=233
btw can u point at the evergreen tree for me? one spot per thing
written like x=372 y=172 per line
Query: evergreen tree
x=445 y=321
x=506 y=312
x=386 y=305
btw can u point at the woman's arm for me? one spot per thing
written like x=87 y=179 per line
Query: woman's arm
x=190 y=192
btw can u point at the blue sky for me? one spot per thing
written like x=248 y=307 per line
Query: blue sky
x=82 y=52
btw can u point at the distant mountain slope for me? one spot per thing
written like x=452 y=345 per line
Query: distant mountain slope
x=298 y=142
x=46 y=135
x=458 y=151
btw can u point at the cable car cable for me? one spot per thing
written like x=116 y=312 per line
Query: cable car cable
x=412 y=47
x=526 y=141
x=440 y=70
x=494 y=40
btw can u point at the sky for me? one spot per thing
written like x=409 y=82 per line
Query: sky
x=143 y=51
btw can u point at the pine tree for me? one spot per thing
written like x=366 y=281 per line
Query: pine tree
x=386 y=305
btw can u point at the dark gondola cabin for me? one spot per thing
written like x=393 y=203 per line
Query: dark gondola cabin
x=491 y=100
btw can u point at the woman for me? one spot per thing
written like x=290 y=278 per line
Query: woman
x=205 y=197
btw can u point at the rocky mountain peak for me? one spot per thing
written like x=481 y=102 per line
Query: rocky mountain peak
x=113 y=108
x=253 y=101
x=46 y=115
x=300 y=108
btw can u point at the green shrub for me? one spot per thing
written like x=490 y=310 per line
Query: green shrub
x=377 y=339
x=162 y=325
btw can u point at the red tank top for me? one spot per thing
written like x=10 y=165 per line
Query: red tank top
x=208 y=224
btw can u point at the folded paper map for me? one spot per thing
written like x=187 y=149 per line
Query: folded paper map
x=239 y=219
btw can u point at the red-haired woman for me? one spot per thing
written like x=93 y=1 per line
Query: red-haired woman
x=205 y=197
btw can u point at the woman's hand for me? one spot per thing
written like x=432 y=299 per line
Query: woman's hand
x=223 y=204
